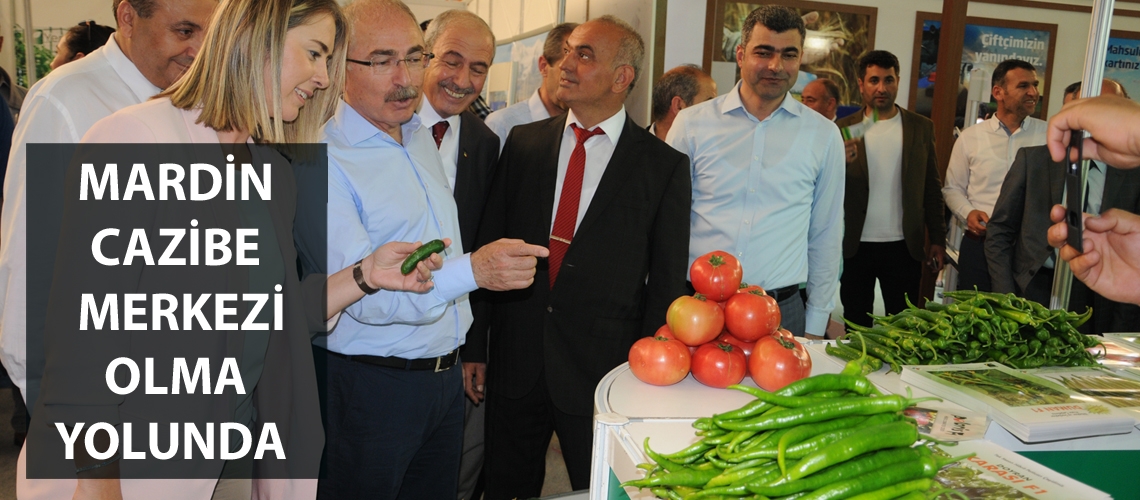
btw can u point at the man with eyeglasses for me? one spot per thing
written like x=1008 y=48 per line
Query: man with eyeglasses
x=394 y=421
x=464 y=49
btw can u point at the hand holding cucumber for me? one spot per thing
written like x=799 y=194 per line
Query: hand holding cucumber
x=385 y=268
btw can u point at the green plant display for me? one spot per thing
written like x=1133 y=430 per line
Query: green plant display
x=43 y=55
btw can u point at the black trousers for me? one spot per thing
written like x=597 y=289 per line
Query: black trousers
x=518 y=434
x=391 y=433
x=898 y=273
x=973 y=269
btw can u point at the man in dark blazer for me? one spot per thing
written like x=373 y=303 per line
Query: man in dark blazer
x=1018 y=255
x=893 y=197
x=464 y=49
x=618 y=259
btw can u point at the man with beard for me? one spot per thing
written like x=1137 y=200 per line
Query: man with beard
x=893 y=197
x=981 y=158
x=464 y=47
x=155 y=43
x=768 y=175
x=394 y=421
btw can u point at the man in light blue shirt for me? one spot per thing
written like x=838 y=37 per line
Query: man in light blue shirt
x=768 y=175
x=394 y=405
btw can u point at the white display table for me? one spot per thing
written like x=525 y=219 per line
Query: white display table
x=628 y=411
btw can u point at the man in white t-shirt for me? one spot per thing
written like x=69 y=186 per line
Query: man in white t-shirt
x=981 y=159
x=893 y=198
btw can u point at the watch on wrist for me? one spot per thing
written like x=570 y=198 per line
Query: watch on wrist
x=358 y=275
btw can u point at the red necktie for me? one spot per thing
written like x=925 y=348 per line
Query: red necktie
x=437 y=132
x=563 y=232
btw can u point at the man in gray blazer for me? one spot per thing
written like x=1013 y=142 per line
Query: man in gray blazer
x=1020 y=259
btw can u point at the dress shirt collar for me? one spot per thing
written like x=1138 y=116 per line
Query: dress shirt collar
x=537 y=108
x=732 y=101
x=612 y=125
x=358 y=129
x=127 y=70
x=429 y=116
x=999 y=125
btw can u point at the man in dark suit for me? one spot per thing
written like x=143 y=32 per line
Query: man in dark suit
x=893 y=198
x=1018 y=254
x=464 y=49
x=612 y=202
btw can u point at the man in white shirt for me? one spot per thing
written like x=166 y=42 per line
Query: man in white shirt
x=822 y=95
x=464 y=49
x=981 y=158
x=155 y=43
x=678 y=89
x=612 y=203
x=544 y=102
x=768 y=175
x=893 y=198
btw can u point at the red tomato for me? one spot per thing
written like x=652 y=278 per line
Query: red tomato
x=728 y=338
x=659 y=360
x=752 y=315
x=783 y=332
x=694 y=320
x=777 y=362
x=719 y=365
x=716 y=275
x=745 y=288
x=664 y=331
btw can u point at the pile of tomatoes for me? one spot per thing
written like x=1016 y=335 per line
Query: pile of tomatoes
x=728 y=329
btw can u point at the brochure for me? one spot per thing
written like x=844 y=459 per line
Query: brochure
x=997 y=473
x=1120 y=389
x=946 y=424
x=1032 y=408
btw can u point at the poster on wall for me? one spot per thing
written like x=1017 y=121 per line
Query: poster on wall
x=837 y=36
x=521 y=57
x=1122 y=61
x=988 y=42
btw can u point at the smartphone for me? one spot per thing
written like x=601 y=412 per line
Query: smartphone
x=1075 y=172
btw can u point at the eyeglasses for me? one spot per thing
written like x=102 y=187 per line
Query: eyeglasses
x=383 y=65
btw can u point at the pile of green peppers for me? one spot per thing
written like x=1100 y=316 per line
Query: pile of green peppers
x=826 y=437
x=978 y=327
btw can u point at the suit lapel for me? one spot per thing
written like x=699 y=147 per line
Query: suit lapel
x=909 y=164
x=463 y=170
x=621 y=163
x=547 y=165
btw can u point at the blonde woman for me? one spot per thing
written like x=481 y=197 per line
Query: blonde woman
x=269 y=73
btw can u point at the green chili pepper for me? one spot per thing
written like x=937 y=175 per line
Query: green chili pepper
x=879 y=437
x=685 y=477
x=897 y=490
x=825 y=411
x=841 y=471
x=924 y=467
